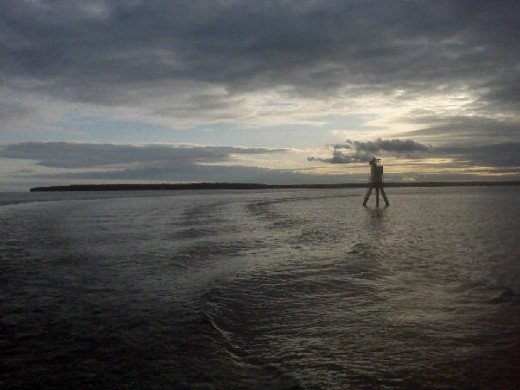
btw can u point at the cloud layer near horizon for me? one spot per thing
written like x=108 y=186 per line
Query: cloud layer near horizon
x=61 y=161
x=74 y=155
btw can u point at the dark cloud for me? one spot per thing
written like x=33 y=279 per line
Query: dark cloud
x=390 y=145
x=189 y=173
x=504 y=155
x=71 y=155
x=109 y=162
x=126 y=53
x=499 y=157
x=466 y=132
x=340 y=157
x=356 y=151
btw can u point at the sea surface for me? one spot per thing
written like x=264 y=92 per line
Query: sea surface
x=298 y=289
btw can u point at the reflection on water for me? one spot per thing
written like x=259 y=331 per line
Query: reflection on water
x=277 y=289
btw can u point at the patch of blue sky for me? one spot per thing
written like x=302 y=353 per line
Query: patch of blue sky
x=319 y=131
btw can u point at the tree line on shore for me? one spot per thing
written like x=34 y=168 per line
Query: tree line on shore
x=257 y=186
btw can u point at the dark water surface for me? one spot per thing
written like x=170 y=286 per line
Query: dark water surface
x=281 y=289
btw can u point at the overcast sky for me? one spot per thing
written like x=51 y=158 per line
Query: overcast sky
x=284 y=91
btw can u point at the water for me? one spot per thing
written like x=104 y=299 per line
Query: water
x=281 y=289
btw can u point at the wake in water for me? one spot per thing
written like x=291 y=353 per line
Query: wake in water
x=300 y=289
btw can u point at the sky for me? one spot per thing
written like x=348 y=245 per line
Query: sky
x=301 y=91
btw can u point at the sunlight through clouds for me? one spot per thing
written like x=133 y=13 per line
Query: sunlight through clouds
x=289 y=75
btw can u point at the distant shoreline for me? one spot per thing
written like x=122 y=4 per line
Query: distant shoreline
x=257 y=186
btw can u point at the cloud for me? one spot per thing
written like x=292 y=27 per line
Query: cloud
x=419 y=73
x=62 y=163
x=77 y=156
x=356 y=151
x=500 y=158
x=500 y=155
x=26 y=114
x=466 y=131
x=14 y=113
x=391 y=145
x=182 y=173
x=207 y=60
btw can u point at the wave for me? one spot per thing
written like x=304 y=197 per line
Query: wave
x=252 y=372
